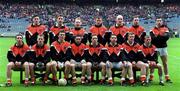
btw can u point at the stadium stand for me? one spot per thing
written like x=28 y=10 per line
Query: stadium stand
x=17 y=18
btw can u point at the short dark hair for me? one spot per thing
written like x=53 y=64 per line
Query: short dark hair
x=147 y=36
x=113 y=35
x=130 y=33
x=59 y=16
x=19 y=35
x=34 y=16
x=40 y=36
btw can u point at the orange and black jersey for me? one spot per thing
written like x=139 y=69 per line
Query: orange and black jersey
x=40 y=54
x=130 y=51
x=79 y=32
x=18 y=53
x=148 y=53
x=58 y=51
x=77 y=51
x=33 y=31
x=54 y=32
x=139 y=33
x=95 y=52
x=120 y=32
x=160 y=36
x=114 y=52
x=98 y=30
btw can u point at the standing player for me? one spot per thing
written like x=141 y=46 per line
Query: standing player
x=35 y=29
x=160 y=36
x=78 y=31
x=59 y=56
x=149 y=55
x=59 y=26
x=40 y=57
x=114 y=60
x=18 y=58
x=119 y=29
x=138 y=31
x=98 y=29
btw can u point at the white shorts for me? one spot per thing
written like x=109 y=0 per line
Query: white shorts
x=117 y=65
x=162 y=51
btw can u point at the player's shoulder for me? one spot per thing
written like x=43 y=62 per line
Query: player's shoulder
x=92 y=27
x=67 y=43
x=153 y=46
x=54 y=43
x=26 y=46
x=12 y=47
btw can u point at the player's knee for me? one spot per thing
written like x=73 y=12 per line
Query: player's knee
x=67 y=64
x=72 y=61
x=129 y=64
x=72 y=65
x=102 y=64
x=84 y=65
x=26 y=64
x=54 y=63
x=89 y=64
x=159 y=65
x=31 y=65
x=11 y=64
x=48 y=65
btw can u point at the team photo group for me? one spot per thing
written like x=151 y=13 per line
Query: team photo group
x=97 y=48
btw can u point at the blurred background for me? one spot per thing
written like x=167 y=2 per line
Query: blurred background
x=15 y=15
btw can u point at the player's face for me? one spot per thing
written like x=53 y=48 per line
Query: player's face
x=61 y=36
x=147 y=40
x=159 y=22
x=78 y=40
x=119 y=20
x=78 y=23
x=98 y=21
x=36 y=20
x=113 y=39
x=19 y=39
x=60 y=19
x=131 y=38
x=136 y=21
x=40 y=41
x=94 y=39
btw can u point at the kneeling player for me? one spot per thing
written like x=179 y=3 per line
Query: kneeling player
x=149 y=55
x=114 y=58
x=78 y=60
x=58 y=55
x=40 y=54
x=18 y=57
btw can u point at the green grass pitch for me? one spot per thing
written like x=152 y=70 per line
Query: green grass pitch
x=174 y=66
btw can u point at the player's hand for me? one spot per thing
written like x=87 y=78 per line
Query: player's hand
x=18 y=64
x=152 y=63
x=133 y=63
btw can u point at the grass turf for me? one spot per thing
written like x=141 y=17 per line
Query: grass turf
x=174 y=66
